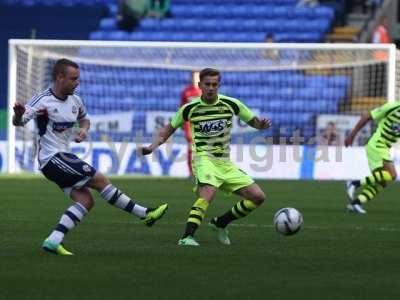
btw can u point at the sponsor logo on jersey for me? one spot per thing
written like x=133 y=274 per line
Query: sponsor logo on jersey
x=86 y=168
x=74 y=109
x=62 y=126
x=396 y=128
x=213 y=127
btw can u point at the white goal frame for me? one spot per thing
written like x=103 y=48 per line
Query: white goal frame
x=14 y=43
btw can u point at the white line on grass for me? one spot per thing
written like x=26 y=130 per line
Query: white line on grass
x=241 y=225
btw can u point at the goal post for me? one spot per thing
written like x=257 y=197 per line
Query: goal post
x=130 y=88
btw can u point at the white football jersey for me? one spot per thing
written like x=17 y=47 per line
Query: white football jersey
x=55 y=129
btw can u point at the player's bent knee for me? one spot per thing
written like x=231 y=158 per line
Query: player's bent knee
x=83 y=197
x=87 y=203
x=207 y=193
x=99 y=181
x=258 y=198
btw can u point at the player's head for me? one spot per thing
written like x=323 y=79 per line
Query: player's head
x=269 y=38
x=209 y=83
x=66 y=76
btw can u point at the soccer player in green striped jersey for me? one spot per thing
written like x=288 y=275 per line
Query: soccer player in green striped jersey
x=380 y=162
x=210 y=117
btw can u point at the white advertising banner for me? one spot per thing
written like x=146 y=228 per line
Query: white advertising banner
x=262 y=162
x=347 y=163
x=259 y=161
x=114 y=122
x=340 y=163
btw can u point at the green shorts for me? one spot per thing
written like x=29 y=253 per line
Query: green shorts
x=222 y=174
x=376 y=156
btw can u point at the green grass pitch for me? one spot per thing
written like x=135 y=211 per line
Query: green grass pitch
x=335 y=256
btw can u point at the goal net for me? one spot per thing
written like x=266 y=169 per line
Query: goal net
x=313 y=93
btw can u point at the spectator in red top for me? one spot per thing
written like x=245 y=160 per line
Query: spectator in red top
x=191 y=91
x=381 y=33
x=381 y=36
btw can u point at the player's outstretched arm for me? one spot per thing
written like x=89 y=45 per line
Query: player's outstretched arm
x=162 y=136
x=260 y=124
x=365 y=118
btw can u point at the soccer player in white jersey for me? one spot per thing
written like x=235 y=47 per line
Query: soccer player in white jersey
x=55 y=111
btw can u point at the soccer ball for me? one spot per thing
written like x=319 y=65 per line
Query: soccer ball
x=288 y=221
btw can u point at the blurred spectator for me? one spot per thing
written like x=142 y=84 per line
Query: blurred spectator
x=310 y=3
x=381 y=34
x=159 y=8
x=270 y=53
x=330 y=136
x=191 y=91
x=130 y=12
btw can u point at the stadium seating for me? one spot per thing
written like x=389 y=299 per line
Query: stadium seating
x=56 y=2
x=227 y=21
x=291 y=99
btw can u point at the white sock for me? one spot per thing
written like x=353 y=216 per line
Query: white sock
x=117 y=198
x=71 y=217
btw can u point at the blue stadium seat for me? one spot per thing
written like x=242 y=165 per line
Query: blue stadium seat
x=256 y=11
x=333 y=94
x=309 y=37
x=208 y=24
x=273 y=105
x=338 y=80
x=139 y=36
x=97 y=35
x=301 y=12
x=324 y=12
x=191 y=25
x=179 y=11
x=239 y=11
x=228 y=25
x=196 y=11
x=279 y=12
x=317 y=81
x=282 y=37
x=149 y=24
x=116 y=35
x=108 y=24
x=249 y=25
x=218 y=11
x=271 y=26
x=290 y=118
x=284 y=93
x=307 y=93
x=295 y=25
x=253 y=103
x=219 y=37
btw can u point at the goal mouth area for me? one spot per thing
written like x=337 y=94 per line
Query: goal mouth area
x=132 y=88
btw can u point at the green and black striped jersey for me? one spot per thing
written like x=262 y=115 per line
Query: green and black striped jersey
x=211 y=124
x=387 y=117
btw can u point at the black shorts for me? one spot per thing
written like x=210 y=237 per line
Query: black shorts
x=68 y=171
